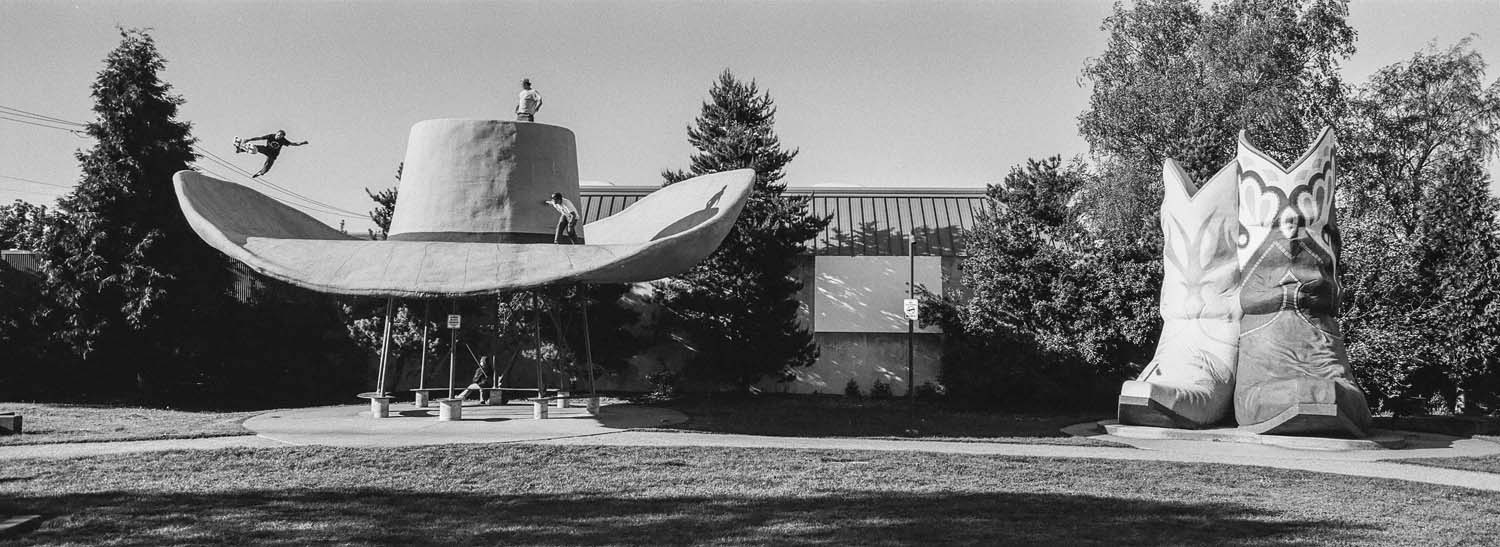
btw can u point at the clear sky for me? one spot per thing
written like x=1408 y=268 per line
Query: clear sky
x=873 y=93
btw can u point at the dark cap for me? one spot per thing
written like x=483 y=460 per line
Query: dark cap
x=556 y=195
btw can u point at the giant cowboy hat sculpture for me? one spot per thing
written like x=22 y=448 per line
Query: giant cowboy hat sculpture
x=471 y=220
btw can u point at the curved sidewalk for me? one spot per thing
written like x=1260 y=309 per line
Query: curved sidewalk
x=628 y=425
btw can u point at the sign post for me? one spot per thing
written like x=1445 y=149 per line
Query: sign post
x=454 y=321
x=910 y=307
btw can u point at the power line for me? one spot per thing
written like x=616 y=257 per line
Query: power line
x=42 y=117
x=51 y=122
x=25 y=191
x=307 y=208
x=35 y=181
x=17 y=120
x=264 y=181
x=311 y=204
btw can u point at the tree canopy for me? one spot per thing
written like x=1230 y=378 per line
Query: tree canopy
x=1422 y=251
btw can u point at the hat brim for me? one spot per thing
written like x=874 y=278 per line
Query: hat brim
x=663 y=234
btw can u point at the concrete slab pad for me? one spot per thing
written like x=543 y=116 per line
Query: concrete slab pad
x=409 y=425
x=1211 y=448
x=1378 y=440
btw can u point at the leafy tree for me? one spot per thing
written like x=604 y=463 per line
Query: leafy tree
x=1421 y=255
x=1042 y=323
x=738 y=309
x=136 y=285
x=1180 y=80
x=22 y=225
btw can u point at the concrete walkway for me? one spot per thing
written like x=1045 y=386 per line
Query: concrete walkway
x=628 y=425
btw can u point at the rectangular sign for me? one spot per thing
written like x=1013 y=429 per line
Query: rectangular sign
x=454 y=320
x=909 y=305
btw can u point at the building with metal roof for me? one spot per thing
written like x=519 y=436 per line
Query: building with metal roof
x=864 y=221
x=857 y=274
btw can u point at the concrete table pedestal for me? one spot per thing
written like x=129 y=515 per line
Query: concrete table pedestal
x=10 y=423
x=593 y=406
x=450 y=410
x=563 y=401
x=421 y=399
x=380 y=407
x=539 y=410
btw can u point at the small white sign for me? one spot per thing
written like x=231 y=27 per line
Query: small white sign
x=454 y=320
x=909 y=305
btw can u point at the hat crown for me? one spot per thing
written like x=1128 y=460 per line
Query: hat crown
x=484 y=180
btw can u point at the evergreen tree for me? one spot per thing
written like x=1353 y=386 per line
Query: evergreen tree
x=385 y=207
x=139 y=291
x=738 y=309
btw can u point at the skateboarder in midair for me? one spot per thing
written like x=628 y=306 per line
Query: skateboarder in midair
x=271 y=149
x=567 y=220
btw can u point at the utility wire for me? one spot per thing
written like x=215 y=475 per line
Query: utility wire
x=42 y=120
x=34 y=181
x=33 y=115
x=312 y=203
x=17 y=120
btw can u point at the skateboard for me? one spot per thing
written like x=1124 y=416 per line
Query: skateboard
x=241 y=146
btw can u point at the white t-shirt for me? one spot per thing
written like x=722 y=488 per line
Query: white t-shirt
x=565 y=208
x=529 y=101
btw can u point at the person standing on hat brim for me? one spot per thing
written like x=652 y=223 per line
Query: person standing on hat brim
x=528 y=102
x=567 y=220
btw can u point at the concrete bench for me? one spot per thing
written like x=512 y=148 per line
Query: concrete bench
x=380 y=403
x=10 y=423
x=539 y=404
x=423 y=394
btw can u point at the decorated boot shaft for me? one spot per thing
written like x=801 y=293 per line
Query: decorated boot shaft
x=1190 y=380
x=1292 y=376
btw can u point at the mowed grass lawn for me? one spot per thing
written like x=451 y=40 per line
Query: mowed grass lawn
x=61 y=423
x=544 y=495
x=814 y=416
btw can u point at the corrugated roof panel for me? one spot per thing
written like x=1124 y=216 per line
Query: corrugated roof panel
x=892 y=227
x=907 y=222
x=864 y=221
x=930 y=237
x=869 y=228
x=951 y=226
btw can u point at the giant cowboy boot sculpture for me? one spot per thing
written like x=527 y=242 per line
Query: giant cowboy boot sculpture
x=1292 y=375
x=1190 y=381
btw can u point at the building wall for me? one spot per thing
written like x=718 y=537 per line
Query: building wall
x=863 y=294
x=866 y=358
x=853 y=305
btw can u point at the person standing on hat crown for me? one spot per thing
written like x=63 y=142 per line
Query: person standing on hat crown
x=567 y=220
x=528 y=102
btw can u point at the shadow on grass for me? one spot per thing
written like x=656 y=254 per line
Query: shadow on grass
x=390 y=517
x=811 y=416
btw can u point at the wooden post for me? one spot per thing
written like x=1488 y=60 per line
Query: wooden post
x=385 y=349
